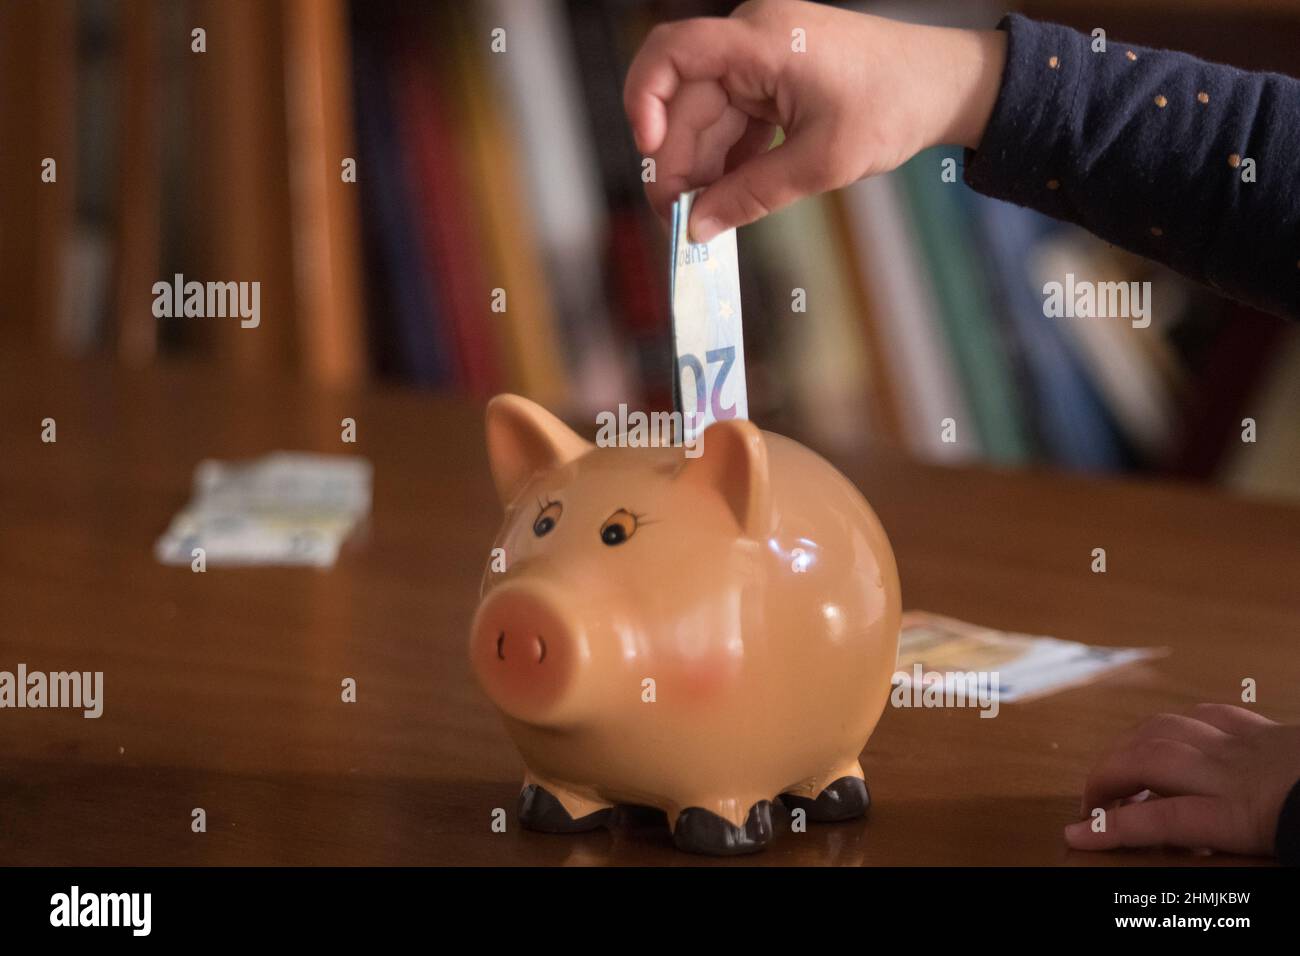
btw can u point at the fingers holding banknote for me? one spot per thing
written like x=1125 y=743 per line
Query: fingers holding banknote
x=705 y=130
x=853 y=94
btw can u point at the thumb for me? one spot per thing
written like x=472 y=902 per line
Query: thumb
x=1174 y=821
x=761 y=185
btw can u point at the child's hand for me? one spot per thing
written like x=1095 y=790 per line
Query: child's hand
x=1222 y=775
x=705 y=97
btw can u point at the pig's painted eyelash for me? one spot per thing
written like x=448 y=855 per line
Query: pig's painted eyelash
x=621 y=526
x=548 y=513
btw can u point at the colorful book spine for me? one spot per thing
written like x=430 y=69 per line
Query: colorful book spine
x=403 y=333
x=981 y=358
x=929 y=392
x=525 y=328
x=326 y=250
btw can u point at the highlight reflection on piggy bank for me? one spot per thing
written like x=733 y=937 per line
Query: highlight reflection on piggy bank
x=699 y=635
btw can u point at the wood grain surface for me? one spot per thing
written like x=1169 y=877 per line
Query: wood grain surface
x=222 y=690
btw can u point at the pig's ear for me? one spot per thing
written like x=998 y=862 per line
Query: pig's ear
x=522 y=439
x=733 y=461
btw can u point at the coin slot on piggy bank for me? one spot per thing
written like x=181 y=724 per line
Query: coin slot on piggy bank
x=751 y=588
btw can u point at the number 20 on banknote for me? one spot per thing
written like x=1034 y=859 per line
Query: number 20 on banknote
x=707 y=336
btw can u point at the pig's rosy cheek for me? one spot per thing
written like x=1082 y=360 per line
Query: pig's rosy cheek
x=705 y=676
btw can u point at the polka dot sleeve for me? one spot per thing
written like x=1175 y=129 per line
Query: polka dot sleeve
x=1190 y=163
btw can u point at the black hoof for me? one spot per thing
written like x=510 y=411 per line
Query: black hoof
x=702 y=831
x=539 y=810
x=844 y=799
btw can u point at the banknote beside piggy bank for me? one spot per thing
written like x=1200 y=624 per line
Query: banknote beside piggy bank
x=700 y=635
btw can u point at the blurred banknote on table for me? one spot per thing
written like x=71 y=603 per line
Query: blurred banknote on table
x=709 y=347
x=934 y=648
x=286 y=508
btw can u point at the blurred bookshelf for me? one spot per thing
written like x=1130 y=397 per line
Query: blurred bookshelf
x=486 y=179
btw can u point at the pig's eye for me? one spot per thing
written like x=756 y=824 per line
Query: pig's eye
x=618 y=527
x=546 y=520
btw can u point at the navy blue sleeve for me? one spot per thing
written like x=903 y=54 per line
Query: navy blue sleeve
x=1287 y=842
x=1150 y=150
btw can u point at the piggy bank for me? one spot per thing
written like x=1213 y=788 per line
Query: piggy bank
x=701 y=635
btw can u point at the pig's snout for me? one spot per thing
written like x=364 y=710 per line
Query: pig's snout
x=526 y=652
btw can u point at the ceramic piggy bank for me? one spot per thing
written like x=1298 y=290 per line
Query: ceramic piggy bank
x=697 y=634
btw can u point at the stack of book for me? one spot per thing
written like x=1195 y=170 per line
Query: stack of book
x=449 y=195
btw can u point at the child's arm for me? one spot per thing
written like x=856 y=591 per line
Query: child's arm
x=1147 y=149
x=1227 y=778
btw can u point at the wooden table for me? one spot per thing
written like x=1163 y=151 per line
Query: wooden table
x=222 y=690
